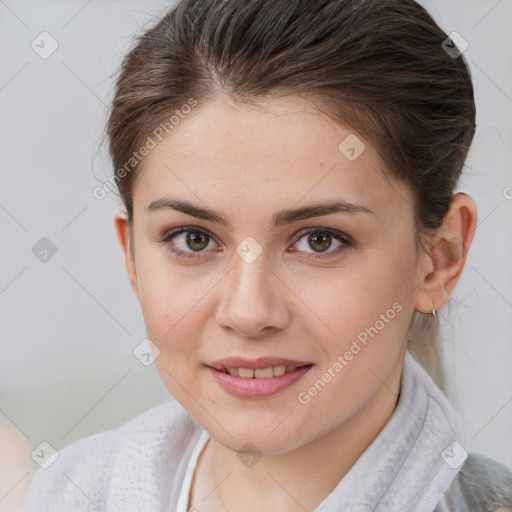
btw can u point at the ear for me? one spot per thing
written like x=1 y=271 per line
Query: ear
x=124 y=234
x=447 y=254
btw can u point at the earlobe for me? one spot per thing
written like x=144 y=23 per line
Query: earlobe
x=448 y=253
x=124 y=235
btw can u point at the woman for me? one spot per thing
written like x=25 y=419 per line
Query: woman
x=287 y=171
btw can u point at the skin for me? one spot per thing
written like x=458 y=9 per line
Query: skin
x=15 y=466
x=249 y=163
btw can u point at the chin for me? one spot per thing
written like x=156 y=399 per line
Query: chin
x=258 y=431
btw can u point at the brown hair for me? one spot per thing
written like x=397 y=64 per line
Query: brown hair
x=378 y=66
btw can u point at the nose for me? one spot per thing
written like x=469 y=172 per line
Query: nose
x=253 y=299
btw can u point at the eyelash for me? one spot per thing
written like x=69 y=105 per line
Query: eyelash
x=346 y=241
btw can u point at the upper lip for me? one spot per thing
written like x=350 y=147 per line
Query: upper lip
x=260 y=362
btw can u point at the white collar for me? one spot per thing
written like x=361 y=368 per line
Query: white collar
x=413 y=459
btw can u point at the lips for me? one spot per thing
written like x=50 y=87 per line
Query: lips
x=257 y=378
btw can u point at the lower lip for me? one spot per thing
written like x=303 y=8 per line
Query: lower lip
x=257 y=388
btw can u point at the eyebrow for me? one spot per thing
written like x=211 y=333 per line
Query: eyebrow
x=280 y=218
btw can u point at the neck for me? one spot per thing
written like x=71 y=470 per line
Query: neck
x=297 y=480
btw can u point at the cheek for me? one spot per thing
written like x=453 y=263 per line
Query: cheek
x=351 y=299
x=170 y=295
x=365 y=315
x=367 y=321
x=174 y=316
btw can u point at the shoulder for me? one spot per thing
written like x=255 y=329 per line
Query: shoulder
x=81 y=476
x=481 y=485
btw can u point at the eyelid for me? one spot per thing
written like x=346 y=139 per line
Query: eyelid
x=184 y=229
x=339 y=235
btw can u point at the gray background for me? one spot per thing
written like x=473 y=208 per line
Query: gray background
x=69 y=325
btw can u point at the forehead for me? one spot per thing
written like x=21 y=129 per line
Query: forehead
x=283 y=150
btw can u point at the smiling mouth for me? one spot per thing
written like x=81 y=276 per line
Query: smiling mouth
x=261 y=373
x=257 y=383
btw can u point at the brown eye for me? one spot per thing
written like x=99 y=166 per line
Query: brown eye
x=197 y=241
x=321 y=240
x=186 y=241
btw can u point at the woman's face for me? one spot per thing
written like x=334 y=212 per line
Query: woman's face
x=245 y=259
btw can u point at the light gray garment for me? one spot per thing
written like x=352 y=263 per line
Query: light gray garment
x=412 y=465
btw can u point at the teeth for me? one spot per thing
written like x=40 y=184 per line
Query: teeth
x=279 y=370
x=264 y=373
x=260 y=373
x=246 y=373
